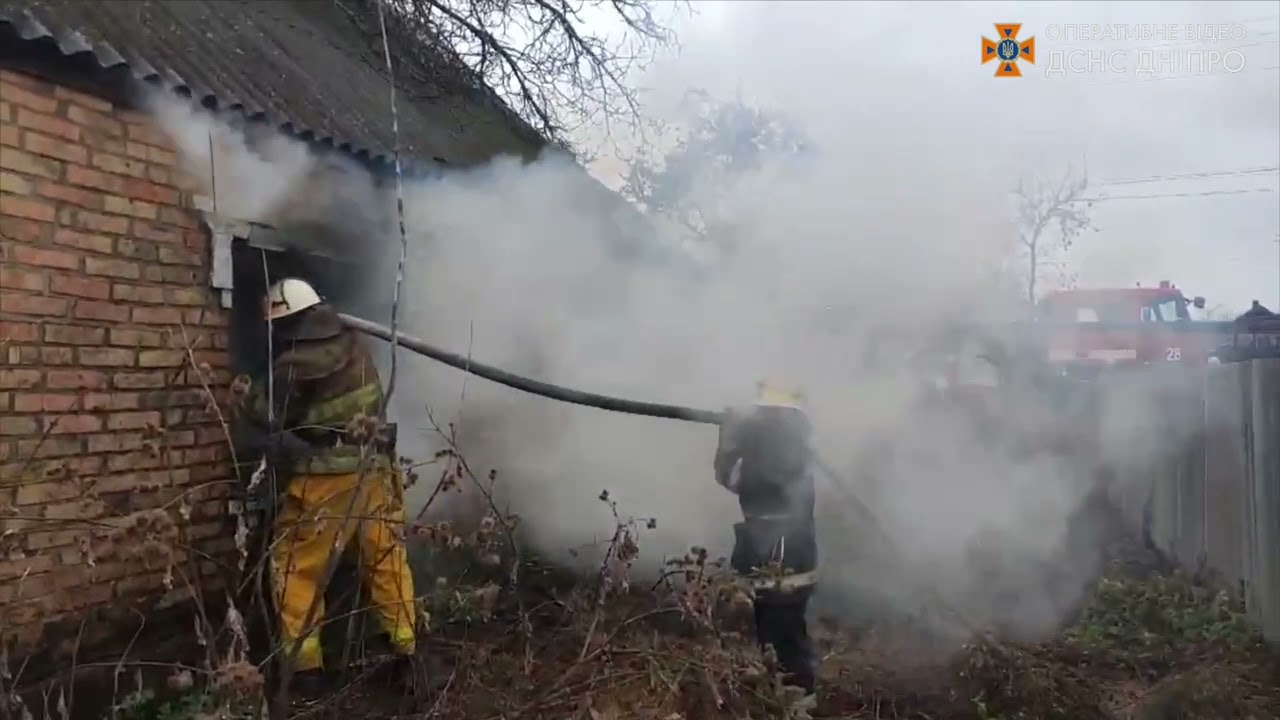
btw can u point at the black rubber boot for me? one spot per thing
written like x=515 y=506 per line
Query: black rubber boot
x=307 y=685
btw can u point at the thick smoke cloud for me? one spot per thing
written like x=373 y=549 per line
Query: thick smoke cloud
x=897 y=222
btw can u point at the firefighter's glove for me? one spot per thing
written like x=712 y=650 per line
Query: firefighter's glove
x=292 y=445
x=287 y=446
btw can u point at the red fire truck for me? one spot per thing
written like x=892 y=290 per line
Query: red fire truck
x=1103 y=327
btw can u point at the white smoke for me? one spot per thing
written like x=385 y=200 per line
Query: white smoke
x=518 y=265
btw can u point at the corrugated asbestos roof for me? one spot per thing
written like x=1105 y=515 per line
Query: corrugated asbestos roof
x=312 y=67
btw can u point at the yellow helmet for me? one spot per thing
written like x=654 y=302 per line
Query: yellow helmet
x=774 y=394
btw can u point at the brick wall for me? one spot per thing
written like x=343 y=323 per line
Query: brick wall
x=103 y=419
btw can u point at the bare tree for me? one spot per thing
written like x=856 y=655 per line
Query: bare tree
x=554 y=62
x=718 y=141
x=1050 y=215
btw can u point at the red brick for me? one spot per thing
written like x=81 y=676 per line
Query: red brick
x=74 y=335
x=140 y=380
x=161 y=358
x=72 y=195
x=23 y=304
x=19 y=206
x=197 y=240
x=138 y=249
x=214 y=318
x=132 y=208
x=96 y=120
x=157 y=233
x=212 y=358
x=80 y=287
x=48 y=124
x=115 y=442
x=97 y=310
x=10 y=135
x=26 y=255
x=94 y=222
x=119 y=165
x=77 y=175
x=161 y=157
x=112 y=401
x=54 y=148
x=106 y=357
x=96 y=140
x=138 y=293
x=18 y=425
x=22 y=279
x=56 y=356
x=137 y=338
x=22 y=230
x=75 y=96
x=185 y=296
x=112 y=268
x=163 y=176
x=180 y=276
x=45 y=492
x=178 y=216
x=29 y=164
x=18 y=331
x=72 y=424
x=19 y=379
x=50 y=447
x=139 y=461
x=22 y=355
x=175 y=256
x=157 y=316
x=145 y=132
x=83 y=241
x=132 y=420
x=55 y=539
x=44 y=402
x=16 y=184
x=26 y=98
x=151 y=192
x=76 y=379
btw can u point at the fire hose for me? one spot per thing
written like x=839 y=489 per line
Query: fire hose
x=623 y=405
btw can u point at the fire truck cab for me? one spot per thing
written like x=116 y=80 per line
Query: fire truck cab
x=1122 y=325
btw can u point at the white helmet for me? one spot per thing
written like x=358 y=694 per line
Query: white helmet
x=289 y=296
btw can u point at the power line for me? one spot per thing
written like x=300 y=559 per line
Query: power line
x=1171 y=177
x=1205 y=193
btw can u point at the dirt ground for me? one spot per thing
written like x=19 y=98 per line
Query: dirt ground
x=1150 y=645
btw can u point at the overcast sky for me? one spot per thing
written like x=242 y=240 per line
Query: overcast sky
x=879 y=81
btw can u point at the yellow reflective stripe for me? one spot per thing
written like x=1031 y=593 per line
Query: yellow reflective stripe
x=340 y=409
x=786 y=583
x=310 y=655
x=340 y=461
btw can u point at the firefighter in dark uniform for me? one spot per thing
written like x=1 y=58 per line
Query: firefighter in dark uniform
x=764 y=457
x=331 y=459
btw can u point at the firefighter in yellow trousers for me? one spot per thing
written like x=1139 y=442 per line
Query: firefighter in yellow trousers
x=340 y=482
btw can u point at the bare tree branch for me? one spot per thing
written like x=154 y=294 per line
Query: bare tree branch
x=1056 y=207
x=553 y=62
x=720 y=140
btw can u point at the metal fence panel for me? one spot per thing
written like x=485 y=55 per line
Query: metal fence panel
x=1265 y=415
x=1226 y=472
